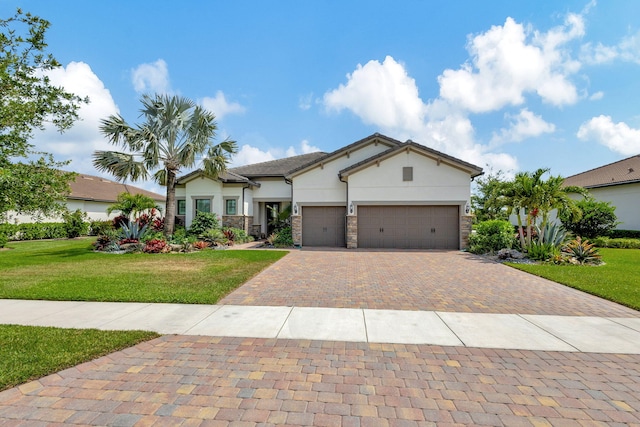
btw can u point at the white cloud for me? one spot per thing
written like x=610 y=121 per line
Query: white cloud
x=219 y=105
x=78 y=143
x=627 y=49
x=522 y=125
x=151 y=77
x=379 y=93
x=596 y=96
x=510 y=61
x=248 y=154
x=618 y=137
x=304 y=102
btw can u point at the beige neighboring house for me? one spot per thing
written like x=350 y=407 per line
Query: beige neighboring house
x=375 y=193
x=617 y=183
x=93 y=195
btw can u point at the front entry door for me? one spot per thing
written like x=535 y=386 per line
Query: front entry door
x=273 y=209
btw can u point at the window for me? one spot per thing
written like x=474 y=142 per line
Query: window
x=231 y=207
x=181 y=207
x=407 y=173
x=203 y=205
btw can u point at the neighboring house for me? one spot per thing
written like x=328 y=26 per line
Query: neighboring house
x=93 y=195
x=375 y=193
x=617 y=183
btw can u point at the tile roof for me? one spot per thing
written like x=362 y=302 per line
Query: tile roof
x=280 y=167
x=226 y=176
x=621 y=172
x=474 y=170
x=95 y=188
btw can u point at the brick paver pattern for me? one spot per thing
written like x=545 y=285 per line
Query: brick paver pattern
x=208 y=381
x=414 y=280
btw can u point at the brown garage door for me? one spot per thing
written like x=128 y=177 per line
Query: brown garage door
x=323 y=226
x=408 y=227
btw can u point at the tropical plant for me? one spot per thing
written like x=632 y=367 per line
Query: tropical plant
x=582 y=251
x=108 y=241
x=213 y=236
x=155 y=246
x=542 y=251
x=279 y=220
x=132 y=232
x=283 y=238
x=133 y=205
x=199 y=245
x=531 y=199
x=230 y=235
x=596 y=219
x=97 y=228
x=202 y=222
x=174 y=134
x=553 y=234
x=491 y=236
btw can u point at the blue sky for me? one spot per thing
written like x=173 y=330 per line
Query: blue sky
x=509 y=84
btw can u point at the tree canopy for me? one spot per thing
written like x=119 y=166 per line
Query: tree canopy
x=176 y=133
x=30 y=181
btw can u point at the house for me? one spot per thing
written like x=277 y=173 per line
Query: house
x=374 y=193
x=93 y=195
x=617 y=183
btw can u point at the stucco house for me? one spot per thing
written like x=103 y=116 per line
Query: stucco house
x=93 y=195
x=374 y=193
x=617 y=183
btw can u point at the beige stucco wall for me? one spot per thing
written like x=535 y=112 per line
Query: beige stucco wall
x=201 y=188
x=431 y=184
x=626 y=199
x=271 y=190
x=96 y=211
x=322 y=185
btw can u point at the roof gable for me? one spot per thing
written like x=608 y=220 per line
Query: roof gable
x=225 y=177
x=95 y=188
x=625 y=171
x=374 y=138
x=439 y=157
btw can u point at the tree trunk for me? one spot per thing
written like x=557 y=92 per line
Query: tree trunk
x=170 y=214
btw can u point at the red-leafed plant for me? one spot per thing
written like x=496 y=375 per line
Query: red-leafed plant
x=155 y=246
x=200 y=245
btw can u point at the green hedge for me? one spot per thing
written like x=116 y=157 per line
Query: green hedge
x=34 y=231
x=606 y=242
x=624 y=234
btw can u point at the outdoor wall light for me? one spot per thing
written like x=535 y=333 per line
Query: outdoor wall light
x=467 y=208
x=295 y=209
x=351 y=208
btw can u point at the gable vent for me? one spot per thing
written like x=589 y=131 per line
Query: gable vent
x=407 y=173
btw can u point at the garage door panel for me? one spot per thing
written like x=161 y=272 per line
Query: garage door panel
x=324 y=226
x=410 y=227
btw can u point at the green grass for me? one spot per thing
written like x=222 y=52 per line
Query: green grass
x=70 y=270
x=31 y=352
x=618 y=280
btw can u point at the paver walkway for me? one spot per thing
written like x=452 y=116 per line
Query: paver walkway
x=414 y=280
x=230 y=381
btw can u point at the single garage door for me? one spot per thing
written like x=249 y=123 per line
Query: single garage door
x=408 y=227
x=324 y=226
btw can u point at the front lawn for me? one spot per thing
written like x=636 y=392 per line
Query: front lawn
x=618 y=280
x=30 y=352
x=69 y=270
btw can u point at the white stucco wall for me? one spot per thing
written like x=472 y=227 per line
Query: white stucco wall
x=96 y=211
x=202 y=188
x=271 y=190
x=432 y=183
x=321 y=185
x=626 y=199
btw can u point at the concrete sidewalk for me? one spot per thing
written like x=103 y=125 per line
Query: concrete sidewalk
x=485 y=330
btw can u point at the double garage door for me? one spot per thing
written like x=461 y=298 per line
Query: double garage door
x=408 y=227
x=402 y=227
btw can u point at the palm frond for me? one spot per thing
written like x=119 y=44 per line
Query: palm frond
x=121 y=165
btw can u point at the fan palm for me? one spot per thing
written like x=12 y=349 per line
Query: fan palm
x=175 y=134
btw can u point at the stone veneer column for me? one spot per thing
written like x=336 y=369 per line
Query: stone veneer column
x=352 y=232
x=296 y=229
x=465 y=230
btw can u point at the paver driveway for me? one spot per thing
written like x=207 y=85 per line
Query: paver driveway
x=213 y=381
x=414 y=280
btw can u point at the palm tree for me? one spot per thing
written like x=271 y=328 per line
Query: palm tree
x=174 y=134
x=132 y=204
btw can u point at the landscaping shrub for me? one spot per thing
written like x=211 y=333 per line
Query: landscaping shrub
x=491 y=236
x=202 y=222
x=119 y=221
x=200 y=245
x=542 y=251
x=606 y=242
x=213 y=236
x=240 y=236
x=34 y=231
x=3 y=240
x=97 y=228
x=598 y=219
x=284 y=238
x=75 y=223
x=155 y=246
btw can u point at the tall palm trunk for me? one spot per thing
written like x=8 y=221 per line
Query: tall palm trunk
x=170 y=215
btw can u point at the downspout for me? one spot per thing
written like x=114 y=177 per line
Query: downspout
x=243 y=214
x=346 y=228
